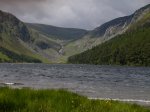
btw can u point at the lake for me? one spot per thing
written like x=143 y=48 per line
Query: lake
x=114 y=82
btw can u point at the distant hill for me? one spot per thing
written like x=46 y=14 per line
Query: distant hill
x=58 y=32
x=130 y=48
x=51 y=41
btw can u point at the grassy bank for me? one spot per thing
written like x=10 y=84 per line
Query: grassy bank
x=27 y=100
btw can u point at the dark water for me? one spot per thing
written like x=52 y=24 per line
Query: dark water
x=128 y=83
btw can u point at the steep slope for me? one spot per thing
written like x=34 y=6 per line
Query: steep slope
x=141 y=18
x=112 y=28
x=100 y=34
x=108 y=31
x=56 y=44
x=12 y=57
x=43 y=42
x=120 y=25
x=13 y=38
x=130 y=48
x=50 y=41
x=45 y=46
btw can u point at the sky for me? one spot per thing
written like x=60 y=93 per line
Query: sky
x=85 y=14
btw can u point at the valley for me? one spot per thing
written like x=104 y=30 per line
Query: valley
x=51 y=44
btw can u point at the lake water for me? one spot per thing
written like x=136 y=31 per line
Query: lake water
x=114 y=82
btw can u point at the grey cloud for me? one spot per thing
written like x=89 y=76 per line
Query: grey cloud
x=86 y=14
x=20 y=1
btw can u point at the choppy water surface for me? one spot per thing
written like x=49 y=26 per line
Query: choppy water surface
x=93 y=81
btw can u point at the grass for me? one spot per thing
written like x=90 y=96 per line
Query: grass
x=28 y=100
x=15 y=46
x=4 y=57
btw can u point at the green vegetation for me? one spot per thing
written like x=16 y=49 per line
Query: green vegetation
x=11 y=57
x=52 y=44
x=58 y=32
x=15 y=41
x=27 y=100
x=131 y=48
x=3 y=57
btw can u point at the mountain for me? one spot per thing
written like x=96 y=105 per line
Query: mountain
x=119 y=25
x=131 y=47
x=51 y=41
x=113 y=27
x=58 y=32
x=107 y=31
x=42 y=43
x=13 y=35
x=28 y=42
x=101 y=34
x=60 y=43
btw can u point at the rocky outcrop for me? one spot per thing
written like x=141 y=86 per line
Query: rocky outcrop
x=112 y=28
x=119 y=25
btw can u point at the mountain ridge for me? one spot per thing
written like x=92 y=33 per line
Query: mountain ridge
x=58 y=32
x=55 y=44
x=128 y=48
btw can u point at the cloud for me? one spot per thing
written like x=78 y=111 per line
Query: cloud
x=86 y=14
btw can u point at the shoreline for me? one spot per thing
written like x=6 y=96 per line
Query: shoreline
x=133 y=101
x=141 y=102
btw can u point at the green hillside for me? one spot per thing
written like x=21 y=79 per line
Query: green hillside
x=52 y=44
x=131 y=48
x=11 y=57
x=14 y=40
x=42 y=42
x=58 y=32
